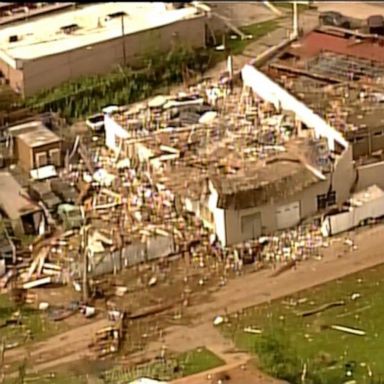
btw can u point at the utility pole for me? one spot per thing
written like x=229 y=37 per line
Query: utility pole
x=85 y=263
x=123 y=40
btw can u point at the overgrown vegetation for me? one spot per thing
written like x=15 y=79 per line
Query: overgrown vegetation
x=8 y=98
x=289 y=341
x=89 y=95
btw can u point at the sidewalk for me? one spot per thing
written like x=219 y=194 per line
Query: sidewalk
x=307 y=20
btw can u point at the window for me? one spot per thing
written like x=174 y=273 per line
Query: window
x=41 y=159
x=326 y=200
x=54 y=157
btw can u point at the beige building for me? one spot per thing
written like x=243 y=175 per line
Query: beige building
x=35 y=146
x=53 y=49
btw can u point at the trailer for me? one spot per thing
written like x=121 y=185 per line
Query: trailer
x=362 y=207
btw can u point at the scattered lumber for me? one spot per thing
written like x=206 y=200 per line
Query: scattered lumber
x=352 y=331
x=155 y=309
x=322 y=308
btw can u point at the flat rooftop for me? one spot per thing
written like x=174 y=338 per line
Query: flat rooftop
x=12 y=199
x=23 y=11
x=45 y=36
x=34 y=134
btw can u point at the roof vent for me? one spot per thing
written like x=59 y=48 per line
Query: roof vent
x=13 y=38
x=117 y=14
x=68 y=29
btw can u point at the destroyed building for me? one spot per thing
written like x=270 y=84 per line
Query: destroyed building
x=242 y=178
x=340 y=76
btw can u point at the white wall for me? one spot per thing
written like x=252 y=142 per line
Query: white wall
x=347 y=220
x=268 y=90
x=370 y=174
x=219 y=225
x=112 y=131
x=218 y=214
x=228 y=222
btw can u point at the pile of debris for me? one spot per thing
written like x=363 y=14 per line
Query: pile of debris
x=107 y=340
x=295 y=244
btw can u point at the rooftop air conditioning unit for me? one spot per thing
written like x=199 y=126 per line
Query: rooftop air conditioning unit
x=68 y=29
x=13 y=38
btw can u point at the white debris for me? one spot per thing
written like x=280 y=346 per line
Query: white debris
x=348 y=242
x=152 y=281
x=355 y=296
x=218 y=320
x=89 y=311
x=353 y=331
x=43 y=306
x=77 y=286
x=121 y=291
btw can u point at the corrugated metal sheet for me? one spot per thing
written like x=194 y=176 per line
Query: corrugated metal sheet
x=133 y=254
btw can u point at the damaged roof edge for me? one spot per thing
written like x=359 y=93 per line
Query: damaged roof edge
x=270 y=91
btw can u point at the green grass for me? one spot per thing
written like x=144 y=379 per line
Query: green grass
x=198 y=360
x=288 y=6
x=32 y=321
x=258 y=30
x=185 y=364
x=308 y=341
